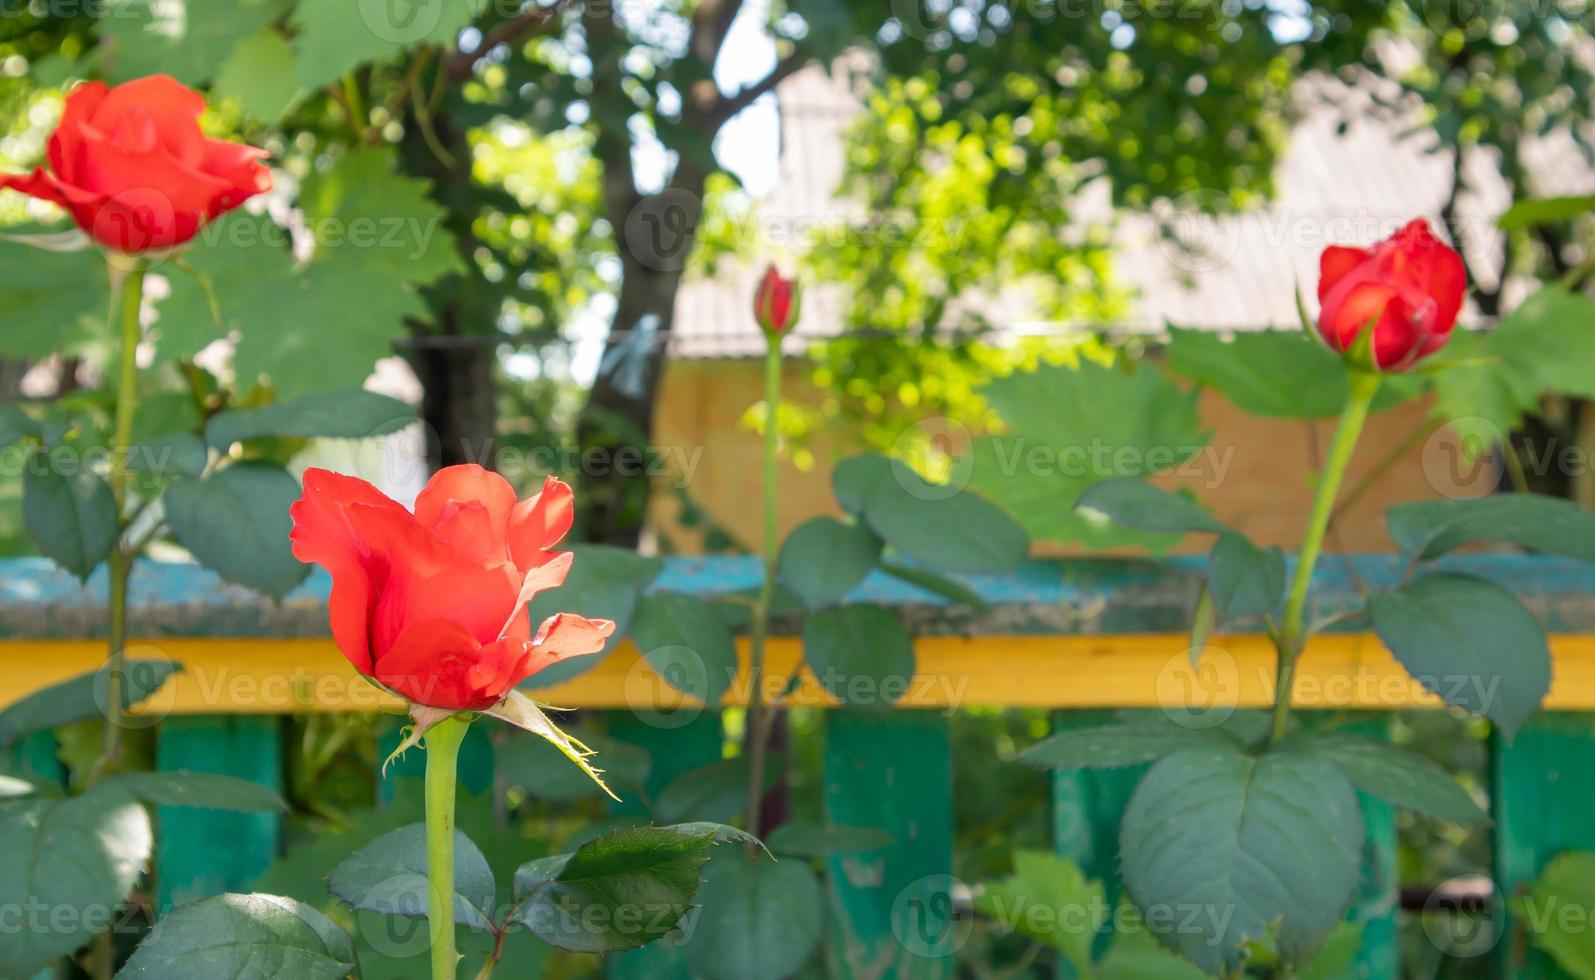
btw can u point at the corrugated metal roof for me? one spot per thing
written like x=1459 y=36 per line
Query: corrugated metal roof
x=1348 y=176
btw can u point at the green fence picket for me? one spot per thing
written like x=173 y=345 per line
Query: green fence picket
x=202 y=852
x=1543 y=804
x=892 y=913
x=1086 y=809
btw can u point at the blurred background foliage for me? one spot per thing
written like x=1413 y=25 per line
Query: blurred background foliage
x=536 y=131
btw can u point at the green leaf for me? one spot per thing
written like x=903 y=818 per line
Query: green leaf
x=177 y=454
x=336 y=36
x=620 y=891
x=80 y=697
x=1392 y=774
x=945 y=527
x=388 y=876
x=761 y=919
x=71 y=516
x=1568 y=882
x=823 y=558
x=860 y=653
x=54 y=302
x=1049 y=899
x=364 y=207
x=1115 y=746
x=242 y=937
x=1544 y=210
x=260 y=73
x=344 y=292
x=538 y=767
x=1136 y=503
x=82 y=853
x=238 y=266
x=604 y=583
x=1542 y=347
x=1430 y=528
x=189 y=41
x=1070 y=428
x=353 y=414
x=802 y=839
x=1245 y=580
x=1135 y=955
x=235 y=523
x=1241 y=843
x=15 y=425
x=722 y=833
x=1276 y=373
x=378 y=237
x=200 y=789
x=856 y=477
x=717 y=792
x=1470 y=642
x=950 y=589
x=688 y=644
x=1337 y=958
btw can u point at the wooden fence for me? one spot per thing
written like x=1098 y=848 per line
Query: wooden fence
x=1081 y=637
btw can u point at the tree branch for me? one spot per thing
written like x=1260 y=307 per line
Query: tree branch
x=523 y=25
x=727 y=106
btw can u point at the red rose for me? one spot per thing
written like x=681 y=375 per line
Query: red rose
x=132 y=167
x=1408 y=286
x=775 y=302
x=432 y=605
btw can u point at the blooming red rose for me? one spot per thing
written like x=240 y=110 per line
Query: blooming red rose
x=132 y=167
x=775 y=302
x=1408 y=286
x=432 y=604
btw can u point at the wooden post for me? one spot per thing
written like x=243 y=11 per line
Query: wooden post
x=1543 y=804
x=202 y=852
x=676 y=742
x=893 y=913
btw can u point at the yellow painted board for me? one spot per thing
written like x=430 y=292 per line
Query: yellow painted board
x=277 y=676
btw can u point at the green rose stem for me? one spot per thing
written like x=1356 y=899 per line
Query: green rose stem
x=1292 y=634
x=756 y=728
x=127 y=296
x=442 y=755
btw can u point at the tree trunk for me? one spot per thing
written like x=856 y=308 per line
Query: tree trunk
x=616 y=428
x=458 y=405
x=454 y=354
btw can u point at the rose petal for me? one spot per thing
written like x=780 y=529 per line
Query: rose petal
x=67 y=140
x=323 y=534
x=1335 y=263
x=569 y=635
x=464 y=484
x=540 y=523
x=429 y=663
x=549 y=575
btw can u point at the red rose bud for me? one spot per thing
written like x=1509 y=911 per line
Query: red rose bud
x=132 y=167
x=1409 y=287
x=775 y=303
x=432 y=604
